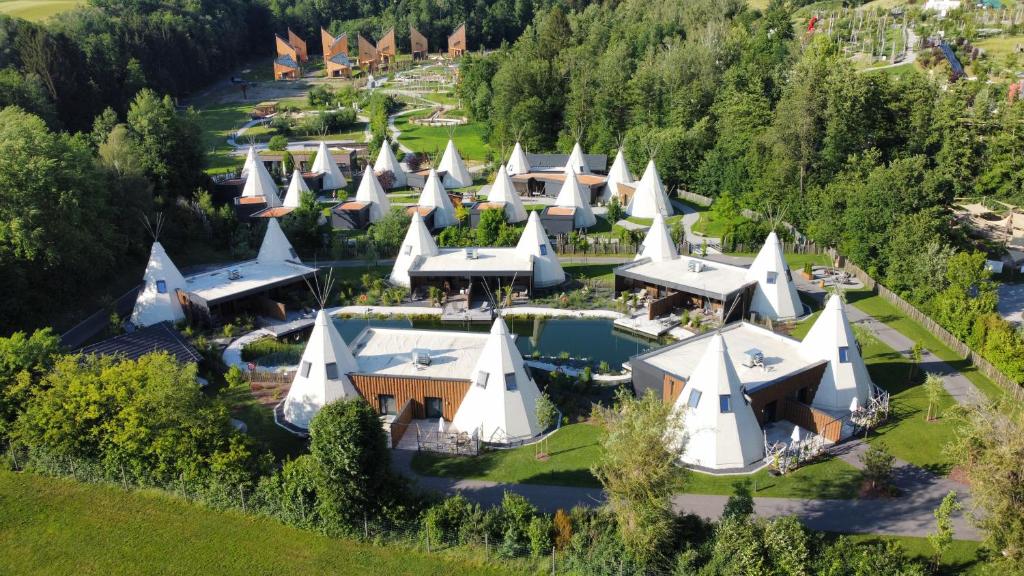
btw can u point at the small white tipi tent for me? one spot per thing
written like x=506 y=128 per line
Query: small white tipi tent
x=325 y=164
x=387 y=162
x=517 y=162
x=618 y=174
x=418 y=242
x=275 y=246
x=504 y=191
x=534 y=241
x=846 y=377
x=570 y=196
x=435 y=196
x=775 y=296
x=577 y=161
x=250 y=161
x=260 y=183
x=649 y=198
x=658 y=244
x=322 y=377
x=501 y=404
x=720 y=426
x=296 y=188
x=158 y=300
x=456 y=174
x=371 y=193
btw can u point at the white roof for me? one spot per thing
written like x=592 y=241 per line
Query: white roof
x=488 y=260
x=457 y=176
x=503 y=191
x=658 y=244
x=417 y=242
x=842 y=381
x=435 y=196
x=154 y=305
x=325 y=164
x=577 y=161
x=249 y=277
x=275 y=246
x=250 y=161
x=371 y=193
x=387 y=162
x=260 y=183
x=715 y=278
x=775 y=296
x=313 y=387
x=388 y=352
x=719 y=425
x=517 y=162
x=501 y=403
x=570 y=197
x=649 y=198
x=296 y=188
x=618 y=174
x=547 y=271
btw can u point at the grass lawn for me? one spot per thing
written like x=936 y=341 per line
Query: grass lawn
x=260 y=422
x=220 y=121
x=994 y=47
x=53 y=527
x=433 y=139
x=796 y=261
x=36 y=10
x=963 y=556
x=712 y=225
x=601 y=272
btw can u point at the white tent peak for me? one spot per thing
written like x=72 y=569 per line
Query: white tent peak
x=435 y=196
x=570 y=196
x=296 y=188
x=456 y=174
x=504 y=191
x=371 y=193
x=323 y=372
x=517 y=162
x=775 y=296
x=325 y=164
x=158 y=300
x=658 y=244
x=649 y=198
x=250 y=161
x=417 y=242
x=387 y=162
x=547 y=271
x=846 y=377
x=618 y=174
x=259 y=182
x=577 y=160
x=275 y=246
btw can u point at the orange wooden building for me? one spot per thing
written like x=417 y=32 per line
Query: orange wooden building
x=387 y=50
x=286 y=64
x=336 y=61
x=367 y=57
x=418 y=42
x=299 y=45
x=457 y=42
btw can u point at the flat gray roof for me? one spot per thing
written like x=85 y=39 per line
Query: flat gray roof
x=217 y=286
x=715 y=280
x=488 y=261
x=388 y=351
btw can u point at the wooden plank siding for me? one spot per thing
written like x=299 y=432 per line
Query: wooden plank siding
x=671 y=388
x=816 y=421
x=404 y=389
x=401 y=422
x=786 y=389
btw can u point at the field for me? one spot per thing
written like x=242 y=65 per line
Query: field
x=53 y=527
x=995 y=47
x=36 y=10
x=432 y=140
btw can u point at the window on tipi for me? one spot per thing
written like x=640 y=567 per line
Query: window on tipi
x=844 y=354
x=773 y=277
x=640 y=250
x=510 y=381
x=332 y=370
x=481 y=379
x=725 y=404
x=407 y=249
x=161 y=286
x=543 y=249
x=694 y=399
x=304 y=369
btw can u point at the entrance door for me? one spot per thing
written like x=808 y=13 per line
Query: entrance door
x=433 y=407
x=769 y=411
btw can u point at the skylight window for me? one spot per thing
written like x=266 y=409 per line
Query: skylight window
x=332 y=370
x=510 y=381
x=481 y=379
x=407 y=249
x=844 y=354
x=304 y=369
x=161 y=286
x=694 y=399
x=543 y=249
x=773 y=277
x=725 y=404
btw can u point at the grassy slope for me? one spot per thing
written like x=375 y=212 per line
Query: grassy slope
x=36 y=10
x=52 y=527
x=432 y=140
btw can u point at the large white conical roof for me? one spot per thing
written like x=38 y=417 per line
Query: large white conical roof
x=775 y=296
x=658 y=244
x=570 y=196
x=325 y=164
x=547 y=271
x=457 y=176
x=158 y=300
x=417 y=242
x=504 y=191
x=322 y=376
x=618 y=174
x=250 y=161
x=296 y=188
x=846 y=377
x=275 y=246
x=371 y=193
x=501 y=402
x=387 y=162
x=649 y=198
x=719 y=424
x=435 y=196
x=259 y=183
x=577 y=161
x=517 y=162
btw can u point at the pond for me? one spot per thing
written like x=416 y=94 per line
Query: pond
x=593 y=338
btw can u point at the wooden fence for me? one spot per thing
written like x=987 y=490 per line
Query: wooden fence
x=401 y=423
x=816 y=421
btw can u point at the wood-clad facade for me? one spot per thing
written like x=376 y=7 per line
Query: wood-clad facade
x=286 y=65
x=335 y=50
x=418 y=43
x=387 y=50
x=367 y=53
x=424 y=393
x=299 y=45
x=457 y=42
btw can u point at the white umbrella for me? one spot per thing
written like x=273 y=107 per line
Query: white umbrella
x=795 y=436
x=854 y=405
x=440 y=424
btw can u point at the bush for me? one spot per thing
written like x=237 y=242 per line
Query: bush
x=277 y=142
x=445 y=522
x=562 y=527
x=539 y=533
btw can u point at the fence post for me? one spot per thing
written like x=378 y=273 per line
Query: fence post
x=552 y=561
x=366 y=528
x=428 y=539
x=487 y=546
x=241 y=494
x=124 y=480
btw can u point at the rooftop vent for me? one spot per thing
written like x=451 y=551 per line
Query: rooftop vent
x=753 y=357
x=695 y=266
x=421 y=357
x=471 y=254
x=234 y=274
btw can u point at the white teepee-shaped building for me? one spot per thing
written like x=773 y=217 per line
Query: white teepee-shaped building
x=456 y=174
x=371 y=193
x=775 y=296
x=504 y=191
x=517 y=162
x=158 y=300
x=322 y=376
x=296 y=188
x=418 y=242
x=658 y=244
x=570 y=196
x=719 y=424
x=250 y=161
x=577 y=161
x=259 y=183
x=387 y=162
x=501 y=403
x=534 y=241
x=618 y=174
x=325 y=164
x=649 y=198
x=275 y=246
x=846 y=377
x=435 y=196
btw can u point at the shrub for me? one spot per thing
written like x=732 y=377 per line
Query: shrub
x=603 y=367
x=277 y=142
x=539 y=533
x=562 y=526
x=444 y=522
x=877 y=463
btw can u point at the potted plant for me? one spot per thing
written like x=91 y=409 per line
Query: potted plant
x=808 y=271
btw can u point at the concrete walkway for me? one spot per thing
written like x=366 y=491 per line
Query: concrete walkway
x=690 y=217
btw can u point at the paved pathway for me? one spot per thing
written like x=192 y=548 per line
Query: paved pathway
x=690 y=217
